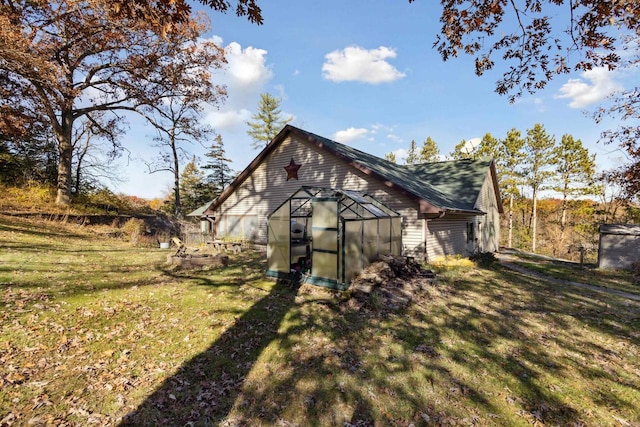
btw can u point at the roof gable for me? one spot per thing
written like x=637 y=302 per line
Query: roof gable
x=442 y=186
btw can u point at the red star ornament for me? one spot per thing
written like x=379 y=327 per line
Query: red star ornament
x=292 y=170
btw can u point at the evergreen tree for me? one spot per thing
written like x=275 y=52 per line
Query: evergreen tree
x=429 y=152
x=539 y=148
x=460 y=151
x=413 y=156
x=489 y=147
x=267 y=122
x=220 y=174
x=192 y=186
x=390 y=157
x=509 y=163
x=575 y=169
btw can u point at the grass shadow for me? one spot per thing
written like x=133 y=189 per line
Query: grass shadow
x=204 y=389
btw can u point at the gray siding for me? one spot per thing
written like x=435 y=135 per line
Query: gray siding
x=266 y=188
x=447 y=237
x=619 y=246
x=489 y=224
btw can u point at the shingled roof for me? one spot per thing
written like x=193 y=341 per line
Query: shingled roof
x=438 y=187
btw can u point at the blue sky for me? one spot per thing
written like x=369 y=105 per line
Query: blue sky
x=364 y=73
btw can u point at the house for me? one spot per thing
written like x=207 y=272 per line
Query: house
x=447 y=208
x=619 y=245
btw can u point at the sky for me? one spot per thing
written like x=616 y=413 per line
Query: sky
x=364 y=73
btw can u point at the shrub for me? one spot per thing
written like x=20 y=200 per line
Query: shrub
x=450 y=262
x=484 y=259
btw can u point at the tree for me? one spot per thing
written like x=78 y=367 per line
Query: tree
x=165 y=14
x=461 y=151
x=488 y=147
x=91 y=163
x=412 y=155
x=549 y=39
x=177 y=120
x=429 y=152
x=267 y=122
x=626 y=108
x=391 y=157
x=220 y=174
x=533 y=48
x=575 y=173
x=509 y=162
x=192 y=186
x=539 y=148
x=64 y=60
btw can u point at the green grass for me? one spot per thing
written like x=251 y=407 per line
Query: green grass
x=94 y=331
x=621 y=280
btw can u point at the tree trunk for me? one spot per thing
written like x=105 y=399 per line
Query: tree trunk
x=176 y=175
x=65 y=148
x=534 y=220
x=510 y=240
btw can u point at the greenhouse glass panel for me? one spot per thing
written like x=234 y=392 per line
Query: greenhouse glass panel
x=352 y=262
x=325 y=266
x=396 y=235
x=370 y=241
x=384 y=235
x=325 y=213
x=278 y=247
x=325 y=239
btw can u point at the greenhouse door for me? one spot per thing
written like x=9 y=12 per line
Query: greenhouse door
x=324 y=231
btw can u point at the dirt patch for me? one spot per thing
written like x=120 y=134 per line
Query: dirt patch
x=391 y=282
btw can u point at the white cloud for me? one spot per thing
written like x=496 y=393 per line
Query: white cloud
x=228 y=119
x=395 y=138
x=582 y=93
x=350 y=135
x=247 y=67
x=357 y=64
x=245 y=76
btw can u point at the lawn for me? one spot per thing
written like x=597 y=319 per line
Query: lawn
x=607 y=278
x=95 y=331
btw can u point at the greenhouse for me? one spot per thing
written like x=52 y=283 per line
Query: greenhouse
x=326 y=237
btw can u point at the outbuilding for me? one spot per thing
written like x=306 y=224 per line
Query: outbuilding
x=619 y=246
x=328 y=236
x=447 y=208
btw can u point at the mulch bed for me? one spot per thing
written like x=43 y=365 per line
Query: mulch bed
x=392 y=282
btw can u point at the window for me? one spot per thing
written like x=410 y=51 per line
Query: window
x=470 y=232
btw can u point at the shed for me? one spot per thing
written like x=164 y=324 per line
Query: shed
x=619 y=245
x=329 y=235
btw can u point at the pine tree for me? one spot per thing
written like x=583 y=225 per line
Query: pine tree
x=429 y=152
x=509 y=163
x=575 y=169
x=412 y=155
x=539 y=148
x=489 y=147
x=191 y=186
x=390 y=157
x=460 y=152
x=267 y=122
x=220 y=174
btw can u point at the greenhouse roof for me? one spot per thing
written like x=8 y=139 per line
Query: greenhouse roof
x=353 y=204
